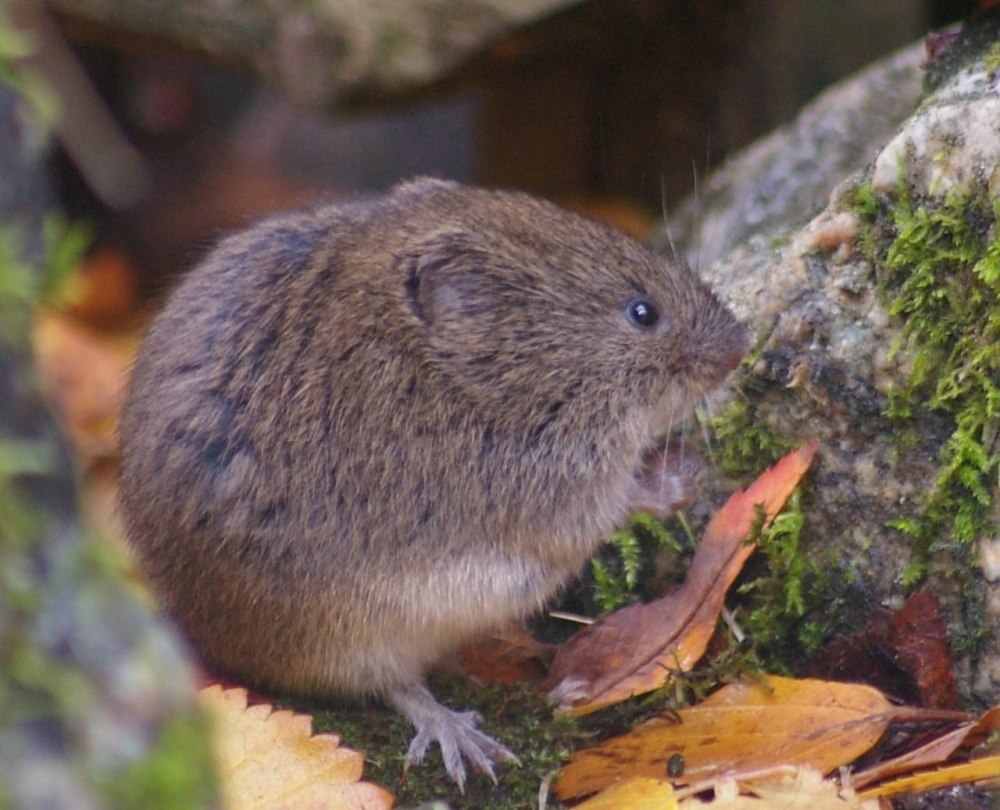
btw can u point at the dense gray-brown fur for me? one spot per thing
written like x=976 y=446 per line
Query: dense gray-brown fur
x=358 y=435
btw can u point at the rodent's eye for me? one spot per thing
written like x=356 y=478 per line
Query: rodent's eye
x=642 y=313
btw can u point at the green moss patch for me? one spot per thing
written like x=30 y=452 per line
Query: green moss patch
x=745 y=444
x=937 y=267
x=164 y=777
x=791 y=598
x=617 y=571
x=517 y=715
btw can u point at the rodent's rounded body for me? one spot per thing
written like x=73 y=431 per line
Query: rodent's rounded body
x=358 y=435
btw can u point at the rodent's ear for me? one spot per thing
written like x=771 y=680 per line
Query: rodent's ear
x=446 y=280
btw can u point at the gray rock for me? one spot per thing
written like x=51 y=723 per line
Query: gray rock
x=319 y=52
x=788 y=175
x=832 y=351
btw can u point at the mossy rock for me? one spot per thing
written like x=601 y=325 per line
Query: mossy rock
x=878 y=331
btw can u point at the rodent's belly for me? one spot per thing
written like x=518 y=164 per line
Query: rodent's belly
x=457 y=601
x=430 y=614
x=494 y=586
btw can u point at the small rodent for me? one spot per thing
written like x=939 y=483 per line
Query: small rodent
x=359 y=435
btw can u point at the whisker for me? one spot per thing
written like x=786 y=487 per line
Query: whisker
x=706 y=436
x=666 y=224
x=695 y=246
x=663 y=458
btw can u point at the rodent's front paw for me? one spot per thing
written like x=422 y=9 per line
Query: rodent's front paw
x=665 y=481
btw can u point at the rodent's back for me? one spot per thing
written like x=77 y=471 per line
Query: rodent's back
x=359 y=434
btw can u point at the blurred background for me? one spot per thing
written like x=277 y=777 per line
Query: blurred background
x=180 y=119
x=611 y=105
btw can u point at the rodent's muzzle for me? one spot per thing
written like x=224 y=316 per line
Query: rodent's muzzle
x=737 y=347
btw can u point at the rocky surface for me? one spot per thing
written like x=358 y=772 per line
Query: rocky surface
x=786 y=176
x=319 y=52
x=834 y=353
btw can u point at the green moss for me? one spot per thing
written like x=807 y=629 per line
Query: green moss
x=862 y=200
x=57 y=586
x=18 y=289
x=992 y=58
x=785 y=599
x=743 y=443
x=938 y=268
x=789 y=598
x=40 y=686
x=617 y=570
x=164 y=777
x=517 y=715
x=15 y=45
x=778 y=243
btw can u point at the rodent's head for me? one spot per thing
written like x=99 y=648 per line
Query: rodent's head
x=541 y=316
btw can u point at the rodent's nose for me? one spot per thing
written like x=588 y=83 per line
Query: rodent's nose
x=737 y=347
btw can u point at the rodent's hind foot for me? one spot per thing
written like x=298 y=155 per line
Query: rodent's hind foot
x=455 y=732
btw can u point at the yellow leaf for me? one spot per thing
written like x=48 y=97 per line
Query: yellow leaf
x=271 y=759
x=985 y=770
x=637 y=793
x=741 y=729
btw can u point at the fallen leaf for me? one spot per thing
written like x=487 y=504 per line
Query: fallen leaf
x=634 y=650
x=104 y=289
x=271 y=759
x=863 y=657
x=801 y=789
x=741 y=729
x=904 y=654
x=637 y=793
x=83 y=373
x=510 y=655
x=984 y=771
x=918 y=638
x=934 y=752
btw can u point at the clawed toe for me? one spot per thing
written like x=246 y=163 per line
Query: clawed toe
x=455 y=732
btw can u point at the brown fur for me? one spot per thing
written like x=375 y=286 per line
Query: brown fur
x=358 y=435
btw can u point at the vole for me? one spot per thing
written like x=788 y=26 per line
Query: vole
x=358 y=435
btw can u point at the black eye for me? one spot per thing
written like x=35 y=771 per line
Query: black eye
x=642 y=312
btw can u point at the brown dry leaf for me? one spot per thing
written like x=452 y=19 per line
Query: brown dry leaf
x=918 y=636
x=904 y=653
x=741 y=729
x=984 y=771
x=633 y=650
x=271 y=759
x=802 y=789
x=931 y=753
x=104 y=289
x=83 y=373
x=510 y=655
